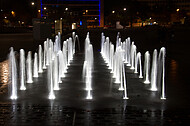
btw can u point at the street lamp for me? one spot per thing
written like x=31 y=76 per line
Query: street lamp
x=124 y=9
x=113 y=12
x=5 y=17
x=177 y=9
x=45 y=8
x=66 y=9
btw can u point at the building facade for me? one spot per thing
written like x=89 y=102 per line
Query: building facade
x=82 y=12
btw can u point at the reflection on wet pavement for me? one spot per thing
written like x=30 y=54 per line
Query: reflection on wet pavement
x=4 y=76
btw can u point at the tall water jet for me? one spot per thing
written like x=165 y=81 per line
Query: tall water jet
x=147 y=67
x=55 y=73
x=45 y=55
x=128 y=55
x=88 y=66
x=65 y=56
x=154 y=72
x=13 y=73
x=50 y=76
x=117 y=65
x=29 y=67
x=125 y=85
x=122 y=75
x=35 y=71
x=162 y=56
x=74 y=41
x=77 y=38
x=22 y=70
x=133 y=56
x=138 y=61
x=102 y=42
x=61 y=66
x=117 y=40
x=40 y=55
x=111 y=57
x=70 y=50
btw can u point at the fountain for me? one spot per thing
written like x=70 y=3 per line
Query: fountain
x=13 y=73
x=125 y=85
x=60 y=66
x=162 y=56
x=65 y=57
x=122 y=75
x=50 y=76
x=111 y=57
x=133 y=56
x=35 y=71
x=138 y=61
x=154 y=72
x=29 y=67
x=128 y=55
x=117 y=65
x=45 y=55
x=70 y=50
x=88 y=66
x=22 y=70
x=55 y=73
x=147 y=67
x=40 y=55
x=102 y=42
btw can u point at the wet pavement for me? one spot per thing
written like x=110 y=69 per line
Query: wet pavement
x=107 y=106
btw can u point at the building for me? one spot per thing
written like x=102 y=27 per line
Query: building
x=177 y=10
x=81 y=12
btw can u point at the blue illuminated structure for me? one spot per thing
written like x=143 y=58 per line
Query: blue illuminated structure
x=99 y=4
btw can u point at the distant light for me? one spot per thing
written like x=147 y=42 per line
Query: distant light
x=45 y=8
x=66 y=9
x=19 y=22
x=83 y=13
x=74 y=26
x=61 y=18
x=177 y=10
x=55 y=21
x=1 y=10
x=39 y=11
x=150 y=18
x=124 y=9
x=86 y=11
x=80 y=22
x=22 y=22
x=32 y=3
x=95 y=18
x=12 y=12
x=154 y=22
x=113 y=12
x=5 y=17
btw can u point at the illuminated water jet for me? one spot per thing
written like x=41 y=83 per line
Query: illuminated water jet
x=40 y=55
x=22 y=70
x=138 y=61
x=13 y=73
x=147 y=67
x=154 y=72
x=50 y=77
x=35 y=71
x=162 y=56
x=29 y=67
